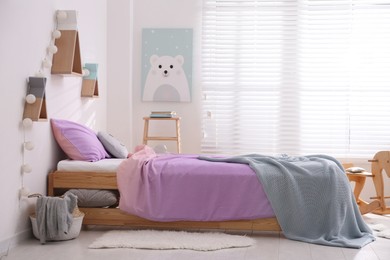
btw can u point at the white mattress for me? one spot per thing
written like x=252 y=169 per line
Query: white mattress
x=105 y=165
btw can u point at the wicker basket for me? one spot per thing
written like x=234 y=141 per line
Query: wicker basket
x=74 y=230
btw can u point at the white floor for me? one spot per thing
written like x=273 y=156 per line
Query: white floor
x=269 y=245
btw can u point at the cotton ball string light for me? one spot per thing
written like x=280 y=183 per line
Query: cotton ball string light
x=24 y=192
x=27 y=122
x=29 y=145
x=56 y=34
x=30 y=98
x=26 y=168
x=62 y=15
x=52 y=49
x=46 y=63
x=85 y=72
x=39 y=74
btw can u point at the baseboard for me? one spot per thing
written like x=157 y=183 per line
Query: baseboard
x=14 y=241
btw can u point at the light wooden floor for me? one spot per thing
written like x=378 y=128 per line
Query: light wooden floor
x=269 y=245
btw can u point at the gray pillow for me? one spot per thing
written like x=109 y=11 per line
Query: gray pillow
x=112 y=145
x=94 y=198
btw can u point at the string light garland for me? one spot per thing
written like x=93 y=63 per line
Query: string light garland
x=46 y=64
x=27 y=122
x=26 y=168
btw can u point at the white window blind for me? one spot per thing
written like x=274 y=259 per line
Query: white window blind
x=296 y=77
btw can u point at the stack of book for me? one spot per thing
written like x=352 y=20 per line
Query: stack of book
x=163 y=114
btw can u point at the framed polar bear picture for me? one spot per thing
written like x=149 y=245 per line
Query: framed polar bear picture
x=166 y=64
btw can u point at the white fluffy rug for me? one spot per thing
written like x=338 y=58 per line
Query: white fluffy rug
x=153 y=239
x=380 y=224
x=380 y=230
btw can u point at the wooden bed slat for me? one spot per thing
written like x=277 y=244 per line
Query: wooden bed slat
x=82 y=180
x=116 y=217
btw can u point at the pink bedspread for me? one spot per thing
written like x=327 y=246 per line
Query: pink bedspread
x=181 y=187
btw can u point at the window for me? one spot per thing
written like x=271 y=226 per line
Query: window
x=296 y=77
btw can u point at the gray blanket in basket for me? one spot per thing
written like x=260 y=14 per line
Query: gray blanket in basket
x=311 y=197
x=54 y=216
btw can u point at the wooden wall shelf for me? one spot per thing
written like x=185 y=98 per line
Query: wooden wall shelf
x=90 y=86
x=37 y=110
x=67 y=60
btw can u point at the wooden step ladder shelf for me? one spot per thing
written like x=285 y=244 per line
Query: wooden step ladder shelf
x=36 y=110
x=162 y=138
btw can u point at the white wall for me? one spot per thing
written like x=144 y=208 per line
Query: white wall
x=168 y=14
x=150 y=14
x=119 y=69
x=26 y=28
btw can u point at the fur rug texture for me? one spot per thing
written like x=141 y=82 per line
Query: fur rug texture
x=380 y=224
x=380 y=230
x=156 y=239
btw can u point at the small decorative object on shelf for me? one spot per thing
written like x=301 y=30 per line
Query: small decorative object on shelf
x=35 y=103
x=162 y=114
x=90 y=87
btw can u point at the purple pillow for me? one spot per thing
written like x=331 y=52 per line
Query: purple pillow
x=77 y=141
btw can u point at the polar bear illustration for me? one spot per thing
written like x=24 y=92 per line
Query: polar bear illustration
x=166 y=80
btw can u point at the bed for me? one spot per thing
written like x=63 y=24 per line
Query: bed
x=309 y=198
x=102 y=175
x=176 y=191
x=89 y=169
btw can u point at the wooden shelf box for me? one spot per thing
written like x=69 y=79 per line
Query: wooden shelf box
x=90 y=86
x=67 y=60
x=37 y=110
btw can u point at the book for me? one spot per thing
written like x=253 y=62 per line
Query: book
x=162 y=114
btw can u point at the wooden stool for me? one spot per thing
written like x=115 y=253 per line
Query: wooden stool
x=162 y=138
x=360 y=179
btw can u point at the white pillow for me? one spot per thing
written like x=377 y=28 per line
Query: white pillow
x=112 y=145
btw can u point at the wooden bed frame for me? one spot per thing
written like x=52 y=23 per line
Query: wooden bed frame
x=59 y=181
